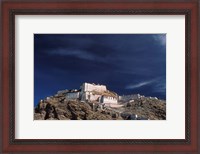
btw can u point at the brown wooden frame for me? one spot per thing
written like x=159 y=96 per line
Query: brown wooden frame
x=7 y=106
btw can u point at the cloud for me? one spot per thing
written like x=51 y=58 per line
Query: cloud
x=81 y=54
x=159 y=85
x=160 y=38
x=140 y=84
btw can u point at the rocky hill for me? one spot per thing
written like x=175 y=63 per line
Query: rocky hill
x=58 y=108
x=147 y=107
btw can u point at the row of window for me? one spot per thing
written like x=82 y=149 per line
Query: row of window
x=111 y=98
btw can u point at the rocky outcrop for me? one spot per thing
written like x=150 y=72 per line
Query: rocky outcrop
x=147 y=108
x=58 y=108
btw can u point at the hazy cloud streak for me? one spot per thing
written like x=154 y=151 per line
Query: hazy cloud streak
x=81 y=54
x=140 y=84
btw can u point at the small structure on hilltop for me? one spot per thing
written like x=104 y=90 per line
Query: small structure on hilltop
x=127 y=98
x=73 y=94
x=93 y=93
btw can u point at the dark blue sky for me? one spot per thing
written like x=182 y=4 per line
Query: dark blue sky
x=125 y=63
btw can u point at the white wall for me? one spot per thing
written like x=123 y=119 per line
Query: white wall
x=91 y=87
x=94 y=97
x=84 y=96
x=106 y=99
x=89 y=96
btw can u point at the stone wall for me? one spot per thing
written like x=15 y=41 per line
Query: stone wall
x=62 y=91
x=129 y=97
x=72 y=95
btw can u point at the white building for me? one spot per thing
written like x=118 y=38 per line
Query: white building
x=109 y=99
x=90 y=96
x=92 y=93
x=92 y=87
x=98 y=93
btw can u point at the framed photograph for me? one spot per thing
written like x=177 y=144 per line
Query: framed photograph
x=100 y=76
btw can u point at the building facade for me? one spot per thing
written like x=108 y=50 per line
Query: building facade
x=92 y=87
x=109 y=99
x=93 y=93
x=89 y=96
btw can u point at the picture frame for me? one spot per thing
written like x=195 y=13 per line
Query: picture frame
x=12 y=8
